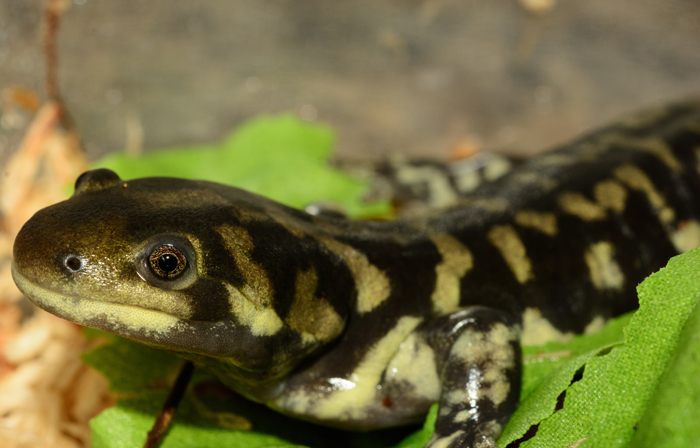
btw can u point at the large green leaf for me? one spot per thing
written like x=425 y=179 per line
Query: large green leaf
x=549 y=370
x=613 y=399
x=671 y=417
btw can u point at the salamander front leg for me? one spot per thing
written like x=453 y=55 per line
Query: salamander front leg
x=478 y=352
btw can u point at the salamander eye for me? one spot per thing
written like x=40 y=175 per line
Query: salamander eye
x=167 y=262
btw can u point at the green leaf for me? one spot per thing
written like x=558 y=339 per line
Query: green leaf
x=419 y=438
x=123 y=361
x=671 y=417
x=540 y=361
x=548 y=371
x=280 y=157
x=614 y=394
x=127 y=424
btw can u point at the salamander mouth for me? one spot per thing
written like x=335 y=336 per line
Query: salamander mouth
x=143 y=325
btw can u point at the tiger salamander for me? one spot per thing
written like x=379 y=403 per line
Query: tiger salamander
x=364 y=325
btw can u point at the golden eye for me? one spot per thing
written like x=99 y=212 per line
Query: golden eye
x=167 y=262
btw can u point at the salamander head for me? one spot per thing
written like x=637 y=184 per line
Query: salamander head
x=167 y=262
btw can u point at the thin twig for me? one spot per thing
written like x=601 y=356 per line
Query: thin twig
x=165 y=416
x=52 y=17
x=52 y=14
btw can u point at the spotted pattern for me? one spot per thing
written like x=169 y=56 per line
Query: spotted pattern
x=371 y=283
x=636 y=179
x=356 y=394
x=506 y=239
x=544 y=222
x=580 y=206
x=480 y=379
x=310 y=314
x=491 y=350
x=611 y=195
x=257 y=287
x=604 y=270
x=537 y=330
x=457 y=260
x=687 y=236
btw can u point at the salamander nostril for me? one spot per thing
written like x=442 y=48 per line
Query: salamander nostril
x=73 y=263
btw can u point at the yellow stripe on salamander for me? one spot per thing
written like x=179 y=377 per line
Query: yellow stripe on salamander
x=457 y=260
x=372 y=284
x=506 y=239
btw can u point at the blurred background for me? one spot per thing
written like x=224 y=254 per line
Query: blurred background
x=421 y=77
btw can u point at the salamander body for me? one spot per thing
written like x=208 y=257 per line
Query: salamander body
x=364 y=325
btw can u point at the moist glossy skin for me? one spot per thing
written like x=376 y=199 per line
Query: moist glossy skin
x=363 y=325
